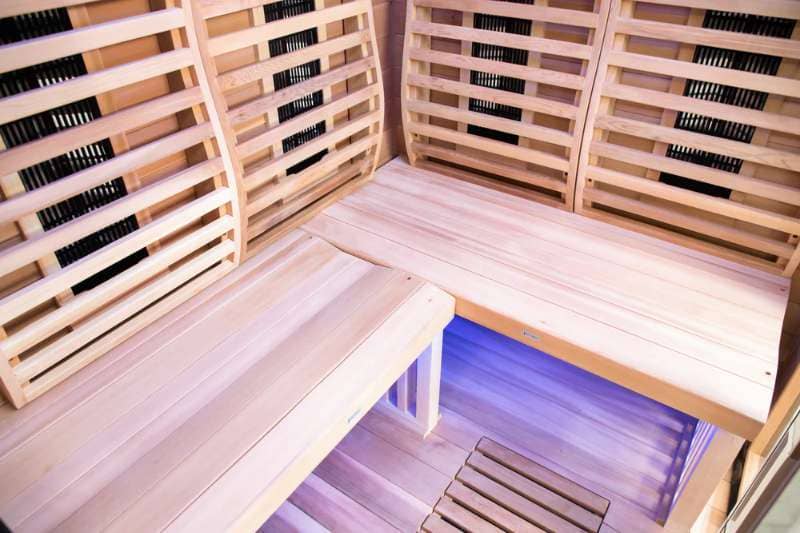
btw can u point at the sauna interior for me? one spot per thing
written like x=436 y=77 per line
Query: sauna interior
x=400 y=265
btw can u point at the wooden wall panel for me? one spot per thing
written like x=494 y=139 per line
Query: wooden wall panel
x=209 y=157
x=342 y=151
x=693 y=132
x=507 y=102
x=142 y=76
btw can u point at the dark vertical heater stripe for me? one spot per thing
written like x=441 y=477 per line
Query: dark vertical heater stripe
x=496 y=81
x=715 y=92
x=29 y=26
x=282 y=45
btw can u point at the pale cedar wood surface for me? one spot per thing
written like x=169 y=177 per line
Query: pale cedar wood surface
x=687 y=329
x=383 y=477
x=262 y=372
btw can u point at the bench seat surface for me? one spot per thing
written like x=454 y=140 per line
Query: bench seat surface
x=196 y=422
x=690 y=330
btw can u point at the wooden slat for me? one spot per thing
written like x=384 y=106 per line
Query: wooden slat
x=261 y=105
x=748 y=152
x=326 y=165
x=248 y=37
x=464 y=518
x=532 y=103
x=531 y=131
x=490 y=145
x=28 y=251
x=80 y=181
x=724 y=76
x=299 y=123
x=250 y=73
x=435 y=524
x=522 y=11
x=129 y=118
x=481 y=505
x=83 y=304
x=34 y=51
x=558 y=484
x=767 y=8
x=38 y=100
x=711 y=204
x=36 y=293
x=533 y=44
x=548 y=77
x=693 y=223
x=728 y=40
x=263 y=173
x=765 y=189
x=758 y=118
x=499 y=169
x=18 y=7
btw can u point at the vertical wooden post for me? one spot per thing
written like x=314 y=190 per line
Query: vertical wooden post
x=206 y=70
x=403 y=392
x=599 y=105
x=720 y=450
x=429 y=374
x=408 y=92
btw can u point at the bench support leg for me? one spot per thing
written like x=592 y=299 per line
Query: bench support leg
x=429 y=378
x=416 y=403
x=719 y=453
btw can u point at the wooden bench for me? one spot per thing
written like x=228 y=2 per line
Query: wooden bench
x=690 y=330
x=211 y=416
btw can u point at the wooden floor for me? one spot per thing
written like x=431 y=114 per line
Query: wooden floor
x=382 y=477
x=687 y=329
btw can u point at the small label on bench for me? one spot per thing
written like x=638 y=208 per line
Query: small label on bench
x=353 y=416
x=531 y=336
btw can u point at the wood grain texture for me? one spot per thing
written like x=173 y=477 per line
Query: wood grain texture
x=711 y=328
x=167 y=431
x=561 y=52
x=544 y=419
x=352 y=107
x=185 y=206
x=191 y=111
x=641 y=92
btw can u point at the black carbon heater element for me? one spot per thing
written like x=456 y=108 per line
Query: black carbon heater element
x=31 y=128
x=294 y=75
x=715 y=92
x=496 y=81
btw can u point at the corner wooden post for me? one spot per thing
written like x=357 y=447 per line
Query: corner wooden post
x=708 y=470
x=429 y=377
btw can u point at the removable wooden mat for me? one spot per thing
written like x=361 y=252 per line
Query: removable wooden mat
x=501 y=89
x=693 y=133
x=500 y=490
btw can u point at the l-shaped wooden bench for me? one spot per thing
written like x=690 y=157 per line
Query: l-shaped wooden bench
x=210 y=417
x=690 y=330
x=267 y=369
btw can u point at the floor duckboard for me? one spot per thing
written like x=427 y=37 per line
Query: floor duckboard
x=611 y=441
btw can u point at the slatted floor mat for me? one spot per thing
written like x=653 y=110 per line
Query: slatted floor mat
x=498 y=489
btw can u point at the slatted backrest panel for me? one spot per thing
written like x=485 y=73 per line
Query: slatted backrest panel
x=694 y=129
x=304 y=101
x=501 y=88
x=116 y=202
